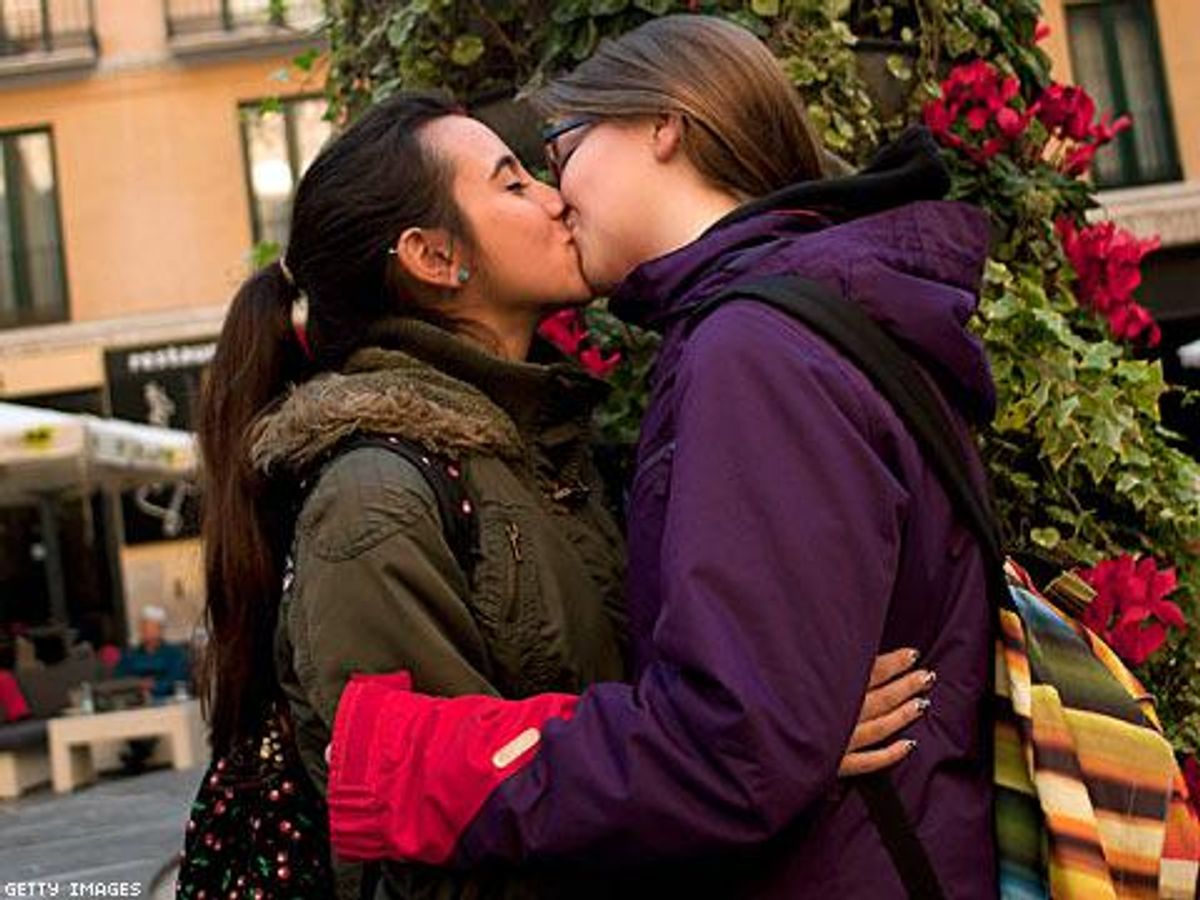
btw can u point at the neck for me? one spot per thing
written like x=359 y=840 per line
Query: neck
x=505 y=333
x=683 y=214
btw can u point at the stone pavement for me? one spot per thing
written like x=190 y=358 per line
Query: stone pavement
x=119 y=831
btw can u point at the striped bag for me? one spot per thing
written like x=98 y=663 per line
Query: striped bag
x=1090 y=802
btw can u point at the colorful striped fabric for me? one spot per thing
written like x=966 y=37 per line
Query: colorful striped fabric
x=1090 y=802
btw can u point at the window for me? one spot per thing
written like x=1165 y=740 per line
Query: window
x=201 y=16
x=29 y=26
x=279 y=140
x=1115 y=55
x=33 y=286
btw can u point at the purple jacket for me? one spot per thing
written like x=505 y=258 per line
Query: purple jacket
x=783 y=529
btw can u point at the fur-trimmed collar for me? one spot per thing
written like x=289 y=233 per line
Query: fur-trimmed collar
x=433 y=388
x=386 y=392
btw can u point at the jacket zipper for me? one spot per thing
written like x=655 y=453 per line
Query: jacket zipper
x=513 y=531
x=514 y=540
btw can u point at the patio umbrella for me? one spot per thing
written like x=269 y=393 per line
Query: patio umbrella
x=45 y=455
x=46 y=452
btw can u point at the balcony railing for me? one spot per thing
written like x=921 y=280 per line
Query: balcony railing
x=46 y=26
x=198 y=17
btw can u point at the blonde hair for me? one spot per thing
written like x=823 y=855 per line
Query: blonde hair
x=746 y=128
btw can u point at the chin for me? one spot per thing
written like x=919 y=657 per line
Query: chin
x=602 y=280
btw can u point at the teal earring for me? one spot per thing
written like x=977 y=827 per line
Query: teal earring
x=464 y=274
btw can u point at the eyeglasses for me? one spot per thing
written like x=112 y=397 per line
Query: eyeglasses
x=561 y=141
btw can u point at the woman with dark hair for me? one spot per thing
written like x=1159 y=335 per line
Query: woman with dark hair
x=784 y=525
x=398 y=477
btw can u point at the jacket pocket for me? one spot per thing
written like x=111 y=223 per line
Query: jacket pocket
x=508 y=598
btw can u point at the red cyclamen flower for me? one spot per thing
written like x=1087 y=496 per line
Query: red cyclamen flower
x=565 y=330
x=1107 y=261
x=568 y=331
x=1130 y=611
x=975 y=114
x=597 y=363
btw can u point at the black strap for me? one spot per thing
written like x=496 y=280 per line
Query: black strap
x=901 y=382
x=899 y=837
x=894 y=374
x=455 y=508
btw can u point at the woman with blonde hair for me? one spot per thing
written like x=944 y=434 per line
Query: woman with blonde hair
x=784 y=526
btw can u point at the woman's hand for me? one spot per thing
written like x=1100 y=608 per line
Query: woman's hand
x=895 y=699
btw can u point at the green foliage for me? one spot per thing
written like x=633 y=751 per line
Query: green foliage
x=1082 y=467
x=264 y=253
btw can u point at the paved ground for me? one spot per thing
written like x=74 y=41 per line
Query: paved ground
x=117 y=831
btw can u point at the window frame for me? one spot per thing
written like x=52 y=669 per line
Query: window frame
x=292 y=145
x=220 y=18
x=1131 y=174
x=25 y=314
x=49 y=39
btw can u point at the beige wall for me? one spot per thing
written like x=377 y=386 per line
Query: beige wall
x=151 y=180
x=170 y=575
x=1179 y=35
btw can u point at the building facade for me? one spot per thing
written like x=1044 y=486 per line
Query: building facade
x=1142 y=58
x=139 y=166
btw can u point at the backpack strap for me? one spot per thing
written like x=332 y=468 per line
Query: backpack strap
x=893 y=373
x=455 y=508
x=901 y=382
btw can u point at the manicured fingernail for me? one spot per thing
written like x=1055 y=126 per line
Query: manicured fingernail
x=910 y=746
x=930 y=677
x=913 y=656
x=923 y=704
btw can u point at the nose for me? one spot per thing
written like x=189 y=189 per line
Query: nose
x=553 y=201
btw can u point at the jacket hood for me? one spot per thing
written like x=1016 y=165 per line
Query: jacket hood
x=880 y=238
x=431 y=387
x=383 y=392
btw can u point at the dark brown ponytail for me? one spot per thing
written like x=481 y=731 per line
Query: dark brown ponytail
x=257 y=357
x=365 y=187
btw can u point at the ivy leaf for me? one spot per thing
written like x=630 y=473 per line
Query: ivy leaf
x=403 y=23
x=264 y=253
x=900 y=67
x=654 y=7
x=568 y=11
x=1046 y=538
x=306 y=60
x=585 y=41
x=607 y=7
x=467 y=50
x=768 y=9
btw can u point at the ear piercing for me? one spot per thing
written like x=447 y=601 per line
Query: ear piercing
x=463 y=275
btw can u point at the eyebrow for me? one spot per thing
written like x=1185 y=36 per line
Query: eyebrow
x=508 y=161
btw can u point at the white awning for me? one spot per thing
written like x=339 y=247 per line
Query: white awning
x=44 y=452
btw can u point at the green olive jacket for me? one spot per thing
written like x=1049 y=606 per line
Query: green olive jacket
x=376 y=586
